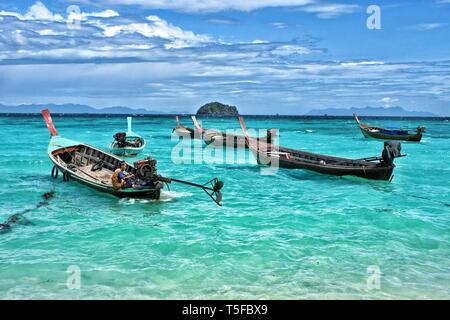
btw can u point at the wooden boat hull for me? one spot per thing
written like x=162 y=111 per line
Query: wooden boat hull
x=219 y=138
x=129 y=150
x=187 y=132
x=139 y=194
x=376 y=135
x=368 y=172
x=281 y=157
x=229 y=140
x=385 y=134
x=226 y=140
x=60 y=146
x=126 y=152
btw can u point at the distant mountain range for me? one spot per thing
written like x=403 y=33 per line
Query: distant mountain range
x=370 y=111
x=72 y=108
x=85 y=109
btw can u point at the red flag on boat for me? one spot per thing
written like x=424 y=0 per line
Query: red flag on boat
x=49 y=122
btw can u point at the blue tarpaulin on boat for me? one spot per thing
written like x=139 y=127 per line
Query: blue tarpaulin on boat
x=394 y=132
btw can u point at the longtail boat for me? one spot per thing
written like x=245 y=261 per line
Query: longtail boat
x=127 y=143
x=186 y=131
x=217 y=138
x=376 y=168
x=370 y=131
x=94 y=168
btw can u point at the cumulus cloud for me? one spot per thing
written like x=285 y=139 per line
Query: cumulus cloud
x=157 y=27
x=152 y=27
x=102 y=14
x=37 y=11
x=85 y=15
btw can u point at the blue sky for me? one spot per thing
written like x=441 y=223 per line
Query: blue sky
x=264 y=56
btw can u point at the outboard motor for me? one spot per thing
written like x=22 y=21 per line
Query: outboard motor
x=420 y=129
x=147 y=173
x=120 y=139
x=392 y=150
x=146 y=169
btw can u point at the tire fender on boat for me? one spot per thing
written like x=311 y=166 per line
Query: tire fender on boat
x=66 y=176
x=55 y=172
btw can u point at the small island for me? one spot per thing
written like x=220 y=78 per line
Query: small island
x=218 y=109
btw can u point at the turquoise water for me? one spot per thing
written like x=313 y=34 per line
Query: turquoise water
x=294 y=235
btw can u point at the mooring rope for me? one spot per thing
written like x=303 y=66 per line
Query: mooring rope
x=16 y=218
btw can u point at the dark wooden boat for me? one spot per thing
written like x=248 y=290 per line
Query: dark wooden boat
x=93 y=167
x=183 y=131
x=376 y=168
x=389 y=134
x=197 y=133
x=219 y=138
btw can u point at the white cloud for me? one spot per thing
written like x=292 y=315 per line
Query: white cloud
x=79 y=53
x=50 y=32
x=289 y=49
x=11 y=14
x=330 y=10
x=18 y=37
x=361 y=63
x=388 y=100
x=223 y=71
x=37 y=11
x=425 y=26
x=102 y=14
x=318 y=83
x=85 y=15
x=158 y=28
x=257 y=41
x=211 y=5
x=279 y=25
x=222 y=21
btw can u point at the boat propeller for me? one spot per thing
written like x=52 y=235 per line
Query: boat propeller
x=212 y=188
x=146 y=170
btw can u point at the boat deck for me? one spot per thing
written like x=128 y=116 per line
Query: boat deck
x=271 y=150
x=103 y=176
x=83 y=163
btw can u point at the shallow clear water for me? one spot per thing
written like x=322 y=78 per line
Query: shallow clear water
x=294 y=235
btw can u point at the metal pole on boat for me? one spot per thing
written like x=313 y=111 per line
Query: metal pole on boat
x=212 y=188
x=129 y=124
